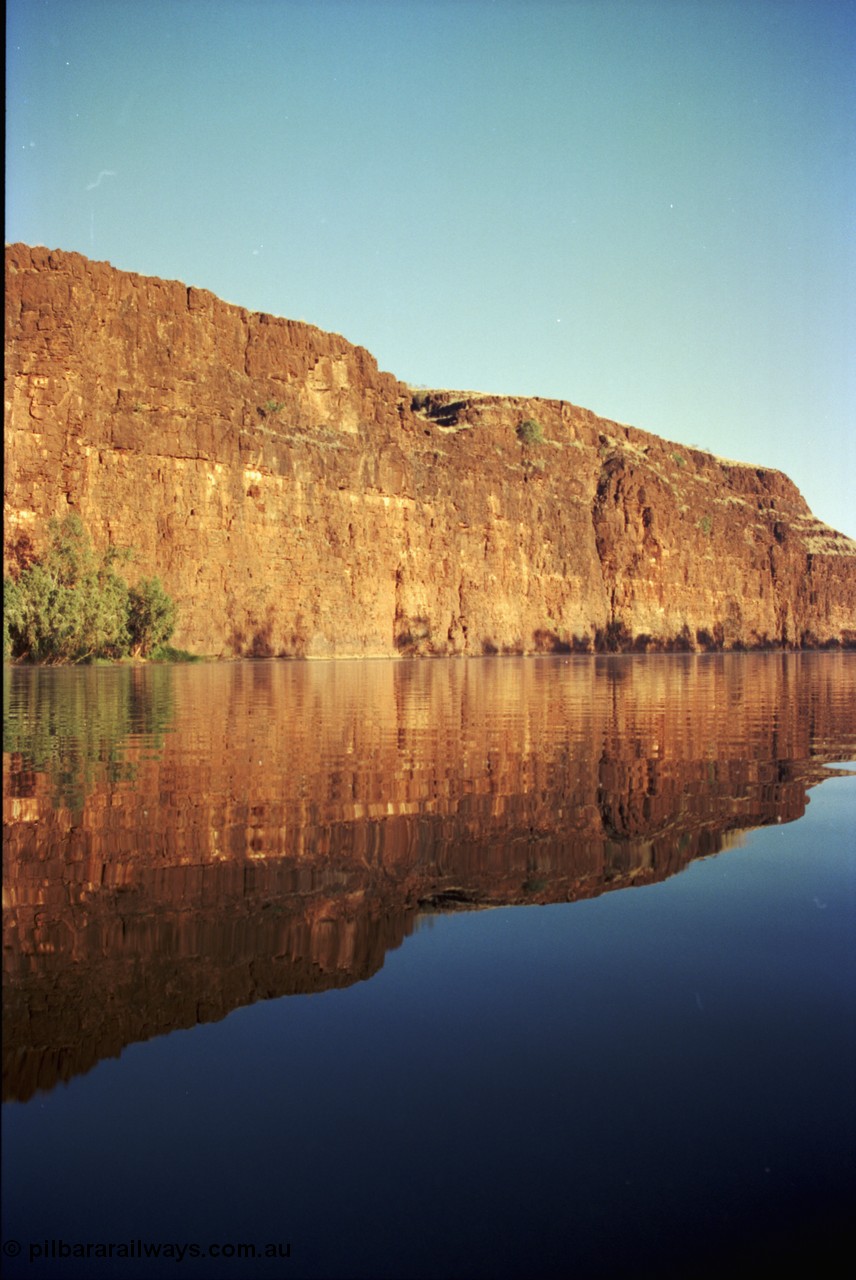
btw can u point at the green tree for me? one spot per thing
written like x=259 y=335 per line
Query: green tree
x=71 y=604
x=11 y=614
x=151 y=616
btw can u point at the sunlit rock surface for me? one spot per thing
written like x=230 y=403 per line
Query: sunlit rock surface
x=297 y=501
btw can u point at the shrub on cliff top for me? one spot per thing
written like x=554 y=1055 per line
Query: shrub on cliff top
x=70 y=605
x=530 y=432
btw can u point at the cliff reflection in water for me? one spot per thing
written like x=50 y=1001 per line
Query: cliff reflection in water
x=183 y=841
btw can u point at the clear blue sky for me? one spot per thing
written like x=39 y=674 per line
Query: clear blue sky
x=647 y=207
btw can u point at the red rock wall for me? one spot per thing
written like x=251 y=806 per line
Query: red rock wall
x=294 y=502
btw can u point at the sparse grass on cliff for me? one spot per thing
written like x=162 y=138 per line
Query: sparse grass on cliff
x=271 y=408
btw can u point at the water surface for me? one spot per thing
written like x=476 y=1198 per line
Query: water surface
x=254 y=993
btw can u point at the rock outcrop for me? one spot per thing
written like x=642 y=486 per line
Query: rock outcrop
x=297 y=501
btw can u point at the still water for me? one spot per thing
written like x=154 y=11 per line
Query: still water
x=501 y=967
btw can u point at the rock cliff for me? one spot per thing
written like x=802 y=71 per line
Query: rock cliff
x=297 y=501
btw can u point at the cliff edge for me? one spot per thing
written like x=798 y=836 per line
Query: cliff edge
x=297 y=501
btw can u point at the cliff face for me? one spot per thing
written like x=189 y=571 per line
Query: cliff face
x=297 y=501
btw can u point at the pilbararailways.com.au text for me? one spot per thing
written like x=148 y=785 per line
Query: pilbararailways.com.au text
x=52 y=1250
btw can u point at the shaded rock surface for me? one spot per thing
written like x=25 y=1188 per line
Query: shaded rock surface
x=297 y=501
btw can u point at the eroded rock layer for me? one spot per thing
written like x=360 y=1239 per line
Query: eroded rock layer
x=297 y=501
